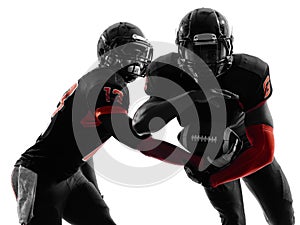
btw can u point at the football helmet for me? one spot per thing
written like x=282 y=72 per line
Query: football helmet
x=124 y=46
x=205 y=32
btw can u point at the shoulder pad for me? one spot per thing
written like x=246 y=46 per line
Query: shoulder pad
x=251 y=63
x=255 y=85
x=162 y=61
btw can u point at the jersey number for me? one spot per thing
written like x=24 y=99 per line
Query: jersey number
x=267 y=86
x=67 y=94
x=115 y=92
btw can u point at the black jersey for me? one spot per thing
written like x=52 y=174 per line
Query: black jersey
x=75 y=129
x=248 y=77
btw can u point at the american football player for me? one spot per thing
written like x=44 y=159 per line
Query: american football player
x=46 y=179
x=246 y=142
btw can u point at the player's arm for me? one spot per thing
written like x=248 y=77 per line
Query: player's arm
x=166 y=101
x=155 y=107
x=144 y=119
x=259 y=131
x=120 y=127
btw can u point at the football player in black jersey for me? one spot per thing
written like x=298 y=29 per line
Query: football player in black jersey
x=247 y=143
x=46 y=179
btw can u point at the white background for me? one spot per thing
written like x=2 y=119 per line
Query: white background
x=46 y=46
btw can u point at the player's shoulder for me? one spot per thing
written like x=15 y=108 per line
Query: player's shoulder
x=251 y=64
x=249 y=78
x=101 y=77
x=167 y=61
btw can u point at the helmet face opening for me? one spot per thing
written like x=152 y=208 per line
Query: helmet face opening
x=135 y=51
x=124 y=46
x=133 y=58
x=208 y=48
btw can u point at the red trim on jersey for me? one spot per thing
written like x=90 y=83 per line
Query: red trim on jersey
x=109 y=110
x=91 y=120
x=91 y=154
x=64 y=98
x=260 y=154
x=241 y=104
x=257 y=106
x=167 y=152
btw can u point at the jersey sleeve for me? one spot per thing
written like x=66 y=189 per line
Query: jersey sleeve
x=112 y=98
x=258 y=88
x=106 y=96
x=149 y=85
x=157 y=81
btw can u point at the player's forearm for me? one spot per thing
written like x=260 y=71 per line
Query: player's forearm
x=260 y=154
x=167 y=152
x=122 y=130
x=143 y=120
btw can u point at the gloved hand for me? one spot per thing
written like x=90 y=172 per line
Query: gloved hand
x=231 y=146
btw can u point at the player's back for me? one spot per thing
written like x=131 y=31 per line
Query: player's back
x=74 y=130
